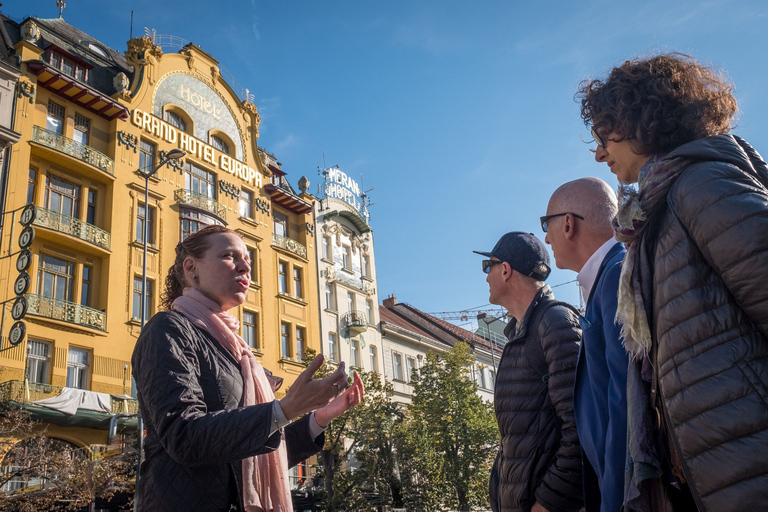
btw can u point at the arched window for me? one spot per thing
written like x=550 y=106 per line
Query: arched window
x=218 y=143
x=176 y=120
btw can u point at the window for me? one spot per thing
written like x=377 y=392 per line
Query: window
x=62 y=196
x=332 y=346
x=366 y=266
x=297 y=292
x=374 y=358
x=175 y=119
x=300 y=347
x=39 y=361
x=55 y=120
x=410 y=365
x=350 y=301
x=246 y=203
x=85 y=288
x=31 y=185
x=55 y=278
x=90 y=210
x=145 y=216
x=249 y=329
x=397 y=366
x=218 y=143
x=82 y=129
x=492 y=376
x=282 y=271
x=327 y=248
x=369 y=310
x=285 y=341
x=252 y=260
x=137 y=287
x=146 y=156
x=69 y=67
x=193 y=220
x=355 y=348
x=346 y=257
x=330 y=297
x=77 y=368
x=200 y=181
x=481 y=377
x=281 y=224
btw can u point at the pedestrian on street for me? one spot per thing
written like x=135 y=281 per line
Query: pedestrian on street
x=693 y=300
x=538 y=467
x=214 y=429
x=578 y=227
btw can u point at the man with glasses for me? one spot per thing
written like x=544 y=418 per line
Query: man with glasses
x=583 y=242
x=538 y=467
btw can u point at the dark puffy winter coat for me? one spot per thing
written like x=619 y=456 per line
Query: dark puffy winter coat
x=189 y=391
x=539 y=456
x=710 y=321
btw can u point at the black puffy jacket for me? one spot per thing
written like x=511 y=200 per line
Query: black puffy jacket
x=710 y=321
x=189 y=391
x=539 y=456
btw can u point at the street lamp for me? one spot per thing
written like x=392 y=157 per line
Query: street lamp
x=173 y=154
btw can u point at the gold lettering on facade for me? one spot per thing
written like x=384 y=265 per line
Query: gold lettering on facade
x=199 y=101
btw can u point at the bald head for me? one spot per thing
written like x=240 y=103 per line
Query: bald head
x=593 y=199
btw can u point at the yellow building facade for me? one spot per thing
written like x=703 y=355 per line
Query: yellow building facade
x=93 y=120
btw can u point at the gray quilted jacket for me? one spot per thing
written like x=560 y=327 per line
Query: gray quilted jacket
x=539 y=455
x=710 y=321
x=189 y=391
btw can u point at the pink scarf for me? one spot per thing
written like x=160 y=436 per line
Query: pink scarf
x=265 y=477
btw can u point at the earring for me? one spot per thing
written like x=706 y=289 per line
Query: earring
x=196 y=277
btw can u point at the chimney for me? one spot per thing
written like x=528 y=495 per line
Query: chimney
x=390 y=301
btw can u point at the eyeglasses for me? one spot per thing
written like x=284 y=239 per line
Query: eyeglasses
x=545 y=219
x=487 y=264
x=598 y=138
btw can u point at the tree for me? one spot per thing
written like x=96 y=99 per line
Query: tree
x=449 y=436
x=50 y=473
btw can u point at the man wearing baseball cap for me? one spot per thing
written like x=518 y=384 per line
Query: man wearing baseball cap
x=538 y=467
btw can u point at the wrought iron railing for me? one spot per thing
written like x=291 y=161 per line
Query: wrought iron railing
x=189 y=198
x=66 y=311
x=74 y=149
x=16 y=391
x=72 y=226
x=355 y=319
x=289 y=244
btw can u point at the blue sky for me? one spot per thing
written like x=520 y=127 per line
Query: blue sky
x=459 y=114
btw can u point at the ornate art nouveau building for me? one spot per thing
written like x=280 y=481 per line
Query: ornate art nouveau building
x=89 y=120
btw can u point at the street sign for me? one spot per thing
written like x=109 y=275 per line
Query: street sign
x=24 y=260
x=28 y=215
x=19 y=309
x=26 y=237
x=21 y=285
x=17 y=333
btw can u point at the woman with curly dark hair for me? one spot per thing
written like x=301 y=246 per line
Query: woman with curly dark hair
x=693 y=300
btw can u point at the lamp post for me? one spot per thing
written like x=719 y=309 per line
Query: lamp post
x=173 y=154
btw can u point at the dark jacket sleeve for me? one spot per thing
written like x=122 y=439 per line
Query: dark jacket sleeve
x=299 y=442
x=617 y=361
x=167 y=373
x=725 y=211
x=561 y=490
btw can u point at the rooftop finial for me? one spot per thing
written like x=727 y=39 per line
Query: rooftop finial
x=61 y=5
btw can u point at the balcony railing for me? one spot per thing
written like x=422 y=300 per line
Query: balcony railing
x=189 y=198
x=72 y=226
x=66 y=311
x=74 y=149
x=355 y=321
x=289 y=244
x=16 y=391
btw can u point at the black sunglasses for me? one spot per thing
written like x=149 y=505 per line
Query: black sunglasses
x=545 y=219
x=598 y=138
x=487 y=264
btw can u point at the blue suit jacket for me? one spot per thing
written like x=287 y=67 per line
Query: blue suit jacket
x=600 y=392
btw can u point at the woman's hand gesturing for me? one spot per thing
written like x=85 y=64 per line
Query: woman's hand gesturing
x=344 y=402
x=307 y=393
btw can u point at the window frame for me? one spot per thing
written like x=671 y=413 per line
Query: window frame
x=252 y=339
x=82 y=370
x=39 y=359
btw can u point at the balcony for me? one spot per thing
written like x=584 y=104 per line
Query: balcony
x=72 y=226
x=201 y=202
x=17 y=391
x=74 y=149
x=66 y=311
x=289 y=244
x=355 y=322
